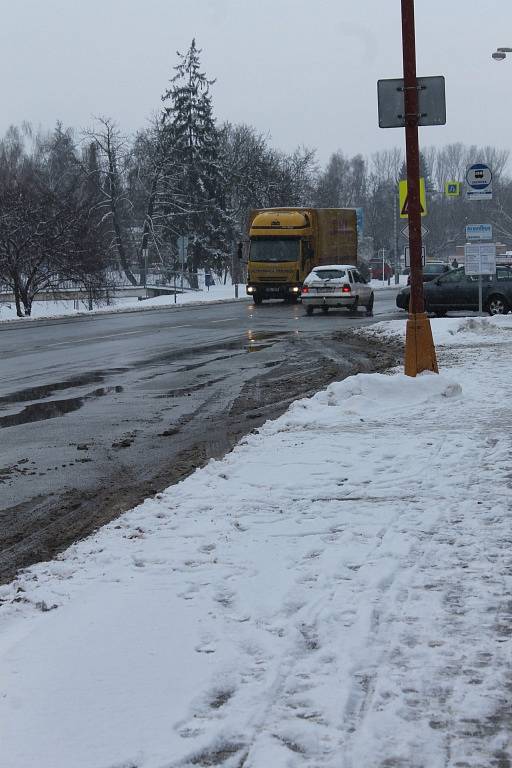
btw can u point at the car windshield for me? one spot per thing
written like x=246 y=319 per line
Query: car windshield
x=504 y=273
x=328 y=274
x=275 y=249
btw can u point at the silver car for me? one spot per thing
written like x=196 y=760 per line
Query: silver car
x=336 y=285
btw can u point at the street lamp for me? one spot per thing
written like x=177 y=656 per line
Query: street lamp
x=501 y=53
x=145 y=260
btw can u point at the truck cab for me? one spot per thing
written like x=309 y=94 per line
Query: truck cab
x=280 y=254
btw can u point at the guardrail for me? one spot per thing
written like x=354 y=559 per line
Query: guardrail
x=155 y=280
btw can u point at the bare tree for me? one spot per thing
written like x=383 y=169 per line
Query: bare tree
x=385 y=166
x=112 y=148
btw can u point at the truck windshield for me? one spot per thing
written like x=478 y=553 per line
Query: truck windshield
x=275 y=249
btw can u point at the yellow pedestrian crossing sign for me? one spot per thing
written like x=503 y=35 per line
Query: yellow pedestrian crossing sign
x=404 y=198
x=452 y=188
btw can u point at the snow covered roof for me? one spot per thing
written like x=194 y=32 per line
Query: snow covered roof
x=334 y=266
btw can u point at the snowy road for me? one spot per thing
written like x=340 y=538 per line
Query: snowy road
x=335 y=592
x=98 y=413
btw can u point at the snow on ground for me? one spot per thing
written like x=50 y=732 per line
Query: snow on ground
x=380 y=285
x=334 y=593
x=56 y=309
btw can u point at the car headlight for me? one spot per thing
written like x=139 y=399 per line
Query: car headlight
x=250 y=289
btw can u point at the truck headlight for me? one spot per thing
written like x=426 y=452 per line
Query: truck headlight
x=295 y=290
x=250 y=289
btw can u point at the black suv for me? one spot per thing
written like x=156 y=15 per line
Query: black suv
x=457 y=291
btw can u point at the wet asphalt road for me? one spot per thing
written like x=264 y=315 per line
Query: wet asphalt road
x=98 y=412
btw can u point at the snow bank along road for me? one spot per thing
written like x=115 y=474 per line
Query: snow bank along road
x=333 y=593
x=98 y=413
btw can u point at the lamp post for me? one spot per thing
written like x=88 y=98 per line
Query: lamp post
x=501 y=53
x=145 y=260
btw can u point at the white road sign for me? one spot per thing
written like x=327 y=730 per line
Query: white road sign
x=480 y=259
x=479 y=232
x=479 y=182
x=182 y=243
x=405 y=231
x=407 y=255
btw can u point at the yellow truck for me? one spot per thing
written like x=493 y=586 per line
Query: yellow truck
x=286 y=243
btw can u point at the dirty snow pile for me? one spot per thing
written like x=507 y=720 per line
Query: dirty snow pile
x=452 y=331
x=334 y=593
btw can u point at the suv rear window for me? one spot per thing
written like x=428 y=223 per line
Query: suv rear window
x=434 y=268
x=329 y=274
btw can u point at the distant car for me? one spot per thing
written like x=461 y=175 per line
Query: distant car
x=457 y=291
x=377 y=272
x=431 y=270
x=336 y=285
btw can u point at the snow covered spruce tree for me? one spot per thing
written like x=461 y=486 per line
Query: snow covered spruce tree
x=196 y=205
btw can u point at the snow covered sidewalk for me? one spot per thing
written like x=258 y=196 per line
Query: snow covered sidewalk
x=51 y=310
x=335 y=592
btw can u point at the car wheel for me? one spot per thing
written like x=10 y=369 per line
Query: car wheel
x=369 y=306
x=257 y=299
x=497 y=306
x=325 y=310
x=309 y=310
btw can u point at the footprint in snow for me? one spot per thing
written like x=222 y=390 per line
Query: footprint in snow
x=207 y=548
x=205 y=647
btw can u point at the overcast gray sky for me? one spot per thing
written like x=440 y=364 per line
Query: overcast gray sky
x=303 y=72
